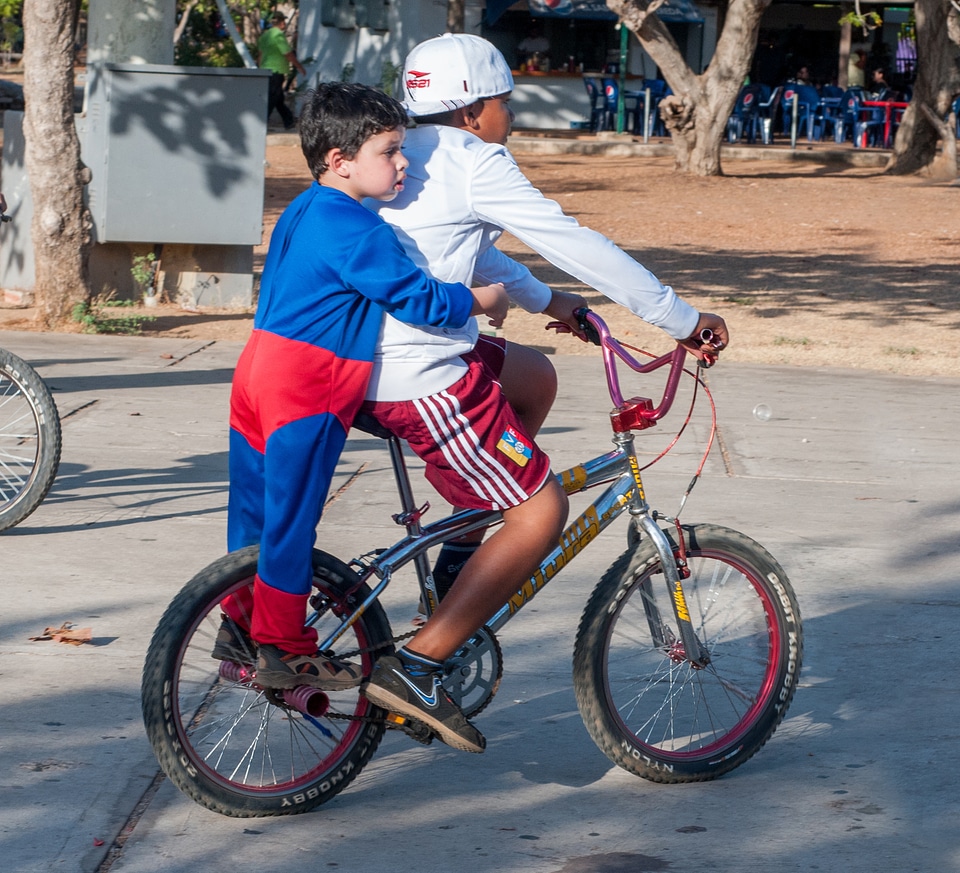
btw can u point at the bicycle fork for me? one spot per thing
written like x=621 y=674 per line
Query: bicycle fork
x=674 y=567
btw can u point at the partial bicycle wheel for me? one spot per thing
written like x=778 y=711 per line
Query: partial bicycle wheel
x=225 y=741
x=29 y=440
x=647 y=708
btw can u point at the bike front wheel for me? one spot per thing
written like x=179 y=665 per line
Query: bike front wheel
x=645 y=705
x=29 y=440
x=225 y=741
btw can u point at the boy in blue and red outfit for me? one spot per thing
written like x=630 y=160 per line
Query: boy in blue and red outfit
x=332 y=270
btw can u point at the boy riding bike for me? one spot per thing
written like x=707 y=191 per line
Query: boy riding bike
x=470 y=406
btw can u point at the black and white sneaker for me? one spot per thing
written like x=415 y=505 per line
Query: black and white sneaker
x=422 y=698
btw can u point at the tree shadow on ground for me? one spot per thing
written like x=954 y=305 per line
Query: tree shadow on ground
x=776 y=283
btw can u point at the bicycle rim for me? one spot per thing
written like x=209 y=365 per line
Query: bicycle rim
x=703 y=710
x=29 y=440
x=668 y=720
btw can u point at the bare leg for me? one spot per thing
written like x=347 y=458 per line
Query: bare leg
x=497 y=569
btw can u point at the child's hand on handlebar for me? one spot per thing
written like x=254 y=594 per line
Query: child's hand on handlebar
x=491 y=300
x=561 y=307
x=710 y=337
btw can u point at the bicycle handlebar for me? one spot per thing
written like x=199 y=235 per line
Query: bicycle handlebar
x=637 y=413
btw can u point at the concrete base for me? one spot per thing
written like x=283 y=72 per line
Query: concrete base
x=191 y=275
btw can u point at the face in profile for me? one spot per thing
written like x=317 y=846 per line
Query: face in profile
x=378 y=169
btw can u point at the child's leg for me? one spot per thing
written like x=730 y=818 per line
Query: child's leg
x=410 y=683
x=497 y=569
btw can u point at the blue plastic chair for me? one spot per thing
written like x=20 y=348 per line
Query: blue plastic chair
x=595 y=96
x=745 y=116
x=807 y=101
x=658 y=90
x=843 y=129
x=611 y=96
x=864 y=124
x=767 y=110
x=827 y=116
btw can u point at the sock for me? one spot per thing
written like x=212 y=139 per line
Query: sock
x=416 y=664
x=450 y=562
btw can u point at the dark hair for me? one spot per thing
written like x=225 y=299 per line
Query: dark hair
x=445 y=118
x=342 y=115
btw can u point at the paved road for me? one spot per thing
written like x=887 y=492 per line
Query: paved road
x=850 y=483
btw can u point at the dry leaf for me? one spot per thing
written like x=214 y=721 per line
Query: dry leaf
x=66 y=633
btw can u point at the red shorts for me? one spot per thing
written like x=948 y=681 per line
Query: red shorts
x=478 y=454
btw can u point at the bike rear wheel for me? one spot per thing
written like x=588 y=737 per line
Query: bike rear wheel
x=29 y=440
x=233 y=746
x=647 y=708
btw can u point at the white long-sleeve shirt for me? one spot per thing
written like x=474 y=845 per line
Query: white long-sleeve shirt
x=460 y=194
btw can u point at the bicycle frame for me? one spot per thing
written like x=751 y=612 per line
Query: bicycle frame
x=625 y=492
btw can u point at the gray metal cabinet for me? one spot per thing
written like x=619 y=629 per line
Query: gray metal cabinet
x=176 y=153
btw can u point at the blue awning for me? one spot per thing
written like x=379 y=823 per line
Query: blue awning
x=672 y=10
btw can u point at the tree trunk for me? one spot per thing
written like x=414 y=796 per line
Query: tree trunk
x=62 y=225
x=938 y=80
x=184 y=20
x=250 y=19
x=456 y=15
x=696 y=113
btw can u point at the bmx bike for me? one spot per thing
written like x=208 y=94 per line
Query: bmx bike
x=686 y=658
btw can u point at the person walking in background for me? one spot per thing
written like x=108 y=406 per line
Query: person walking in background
x=276 y=55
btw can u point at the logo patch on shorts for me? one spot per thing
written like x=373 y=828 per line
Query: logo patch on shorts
x=514 y=447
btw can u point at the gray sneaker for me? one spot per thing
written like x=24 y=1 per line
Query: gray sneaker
x=279 y=669
x=422 y=698
x=233 y=643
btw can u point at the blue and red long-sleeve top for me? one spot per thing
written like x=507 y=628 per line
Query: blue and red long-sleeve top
x=333 y=268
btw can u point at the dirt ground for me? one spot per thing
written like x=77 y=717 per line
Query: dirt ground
x=810 y=264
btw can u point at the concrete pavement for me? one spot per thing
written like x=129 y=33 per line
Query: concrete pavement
x=850 y=483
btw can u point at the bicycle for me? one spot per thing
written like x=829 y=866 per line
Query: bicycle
x=30 y=438
x=686 y=658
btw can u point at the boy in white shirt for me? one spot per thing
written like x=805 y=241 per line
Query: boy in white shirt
x=467 y=404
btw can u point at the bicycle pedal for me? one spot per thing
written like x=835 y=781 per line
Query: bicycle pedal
x=414 y=729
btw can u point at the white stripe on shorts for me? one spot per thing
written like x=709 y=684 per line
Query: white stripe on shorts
x=460 y=445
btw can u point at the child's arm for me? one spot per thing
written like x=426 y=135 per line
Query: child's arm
x=380 y=270
x=525 y=289
x=491 y=300
x=504 y=197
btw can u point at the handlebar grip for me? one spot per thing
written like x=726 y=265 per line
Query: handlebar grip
x=589 y=331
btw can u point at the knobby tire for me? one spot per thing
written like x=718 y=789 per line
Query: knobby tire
x=226 y=742
x=30 y=440
x=646 y=707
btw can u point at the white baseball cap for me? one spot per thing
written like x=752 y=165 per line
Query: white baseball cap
x=451 y=71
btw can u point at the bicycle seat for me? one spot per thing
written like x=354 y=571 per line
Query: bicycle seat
x=368 y=424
